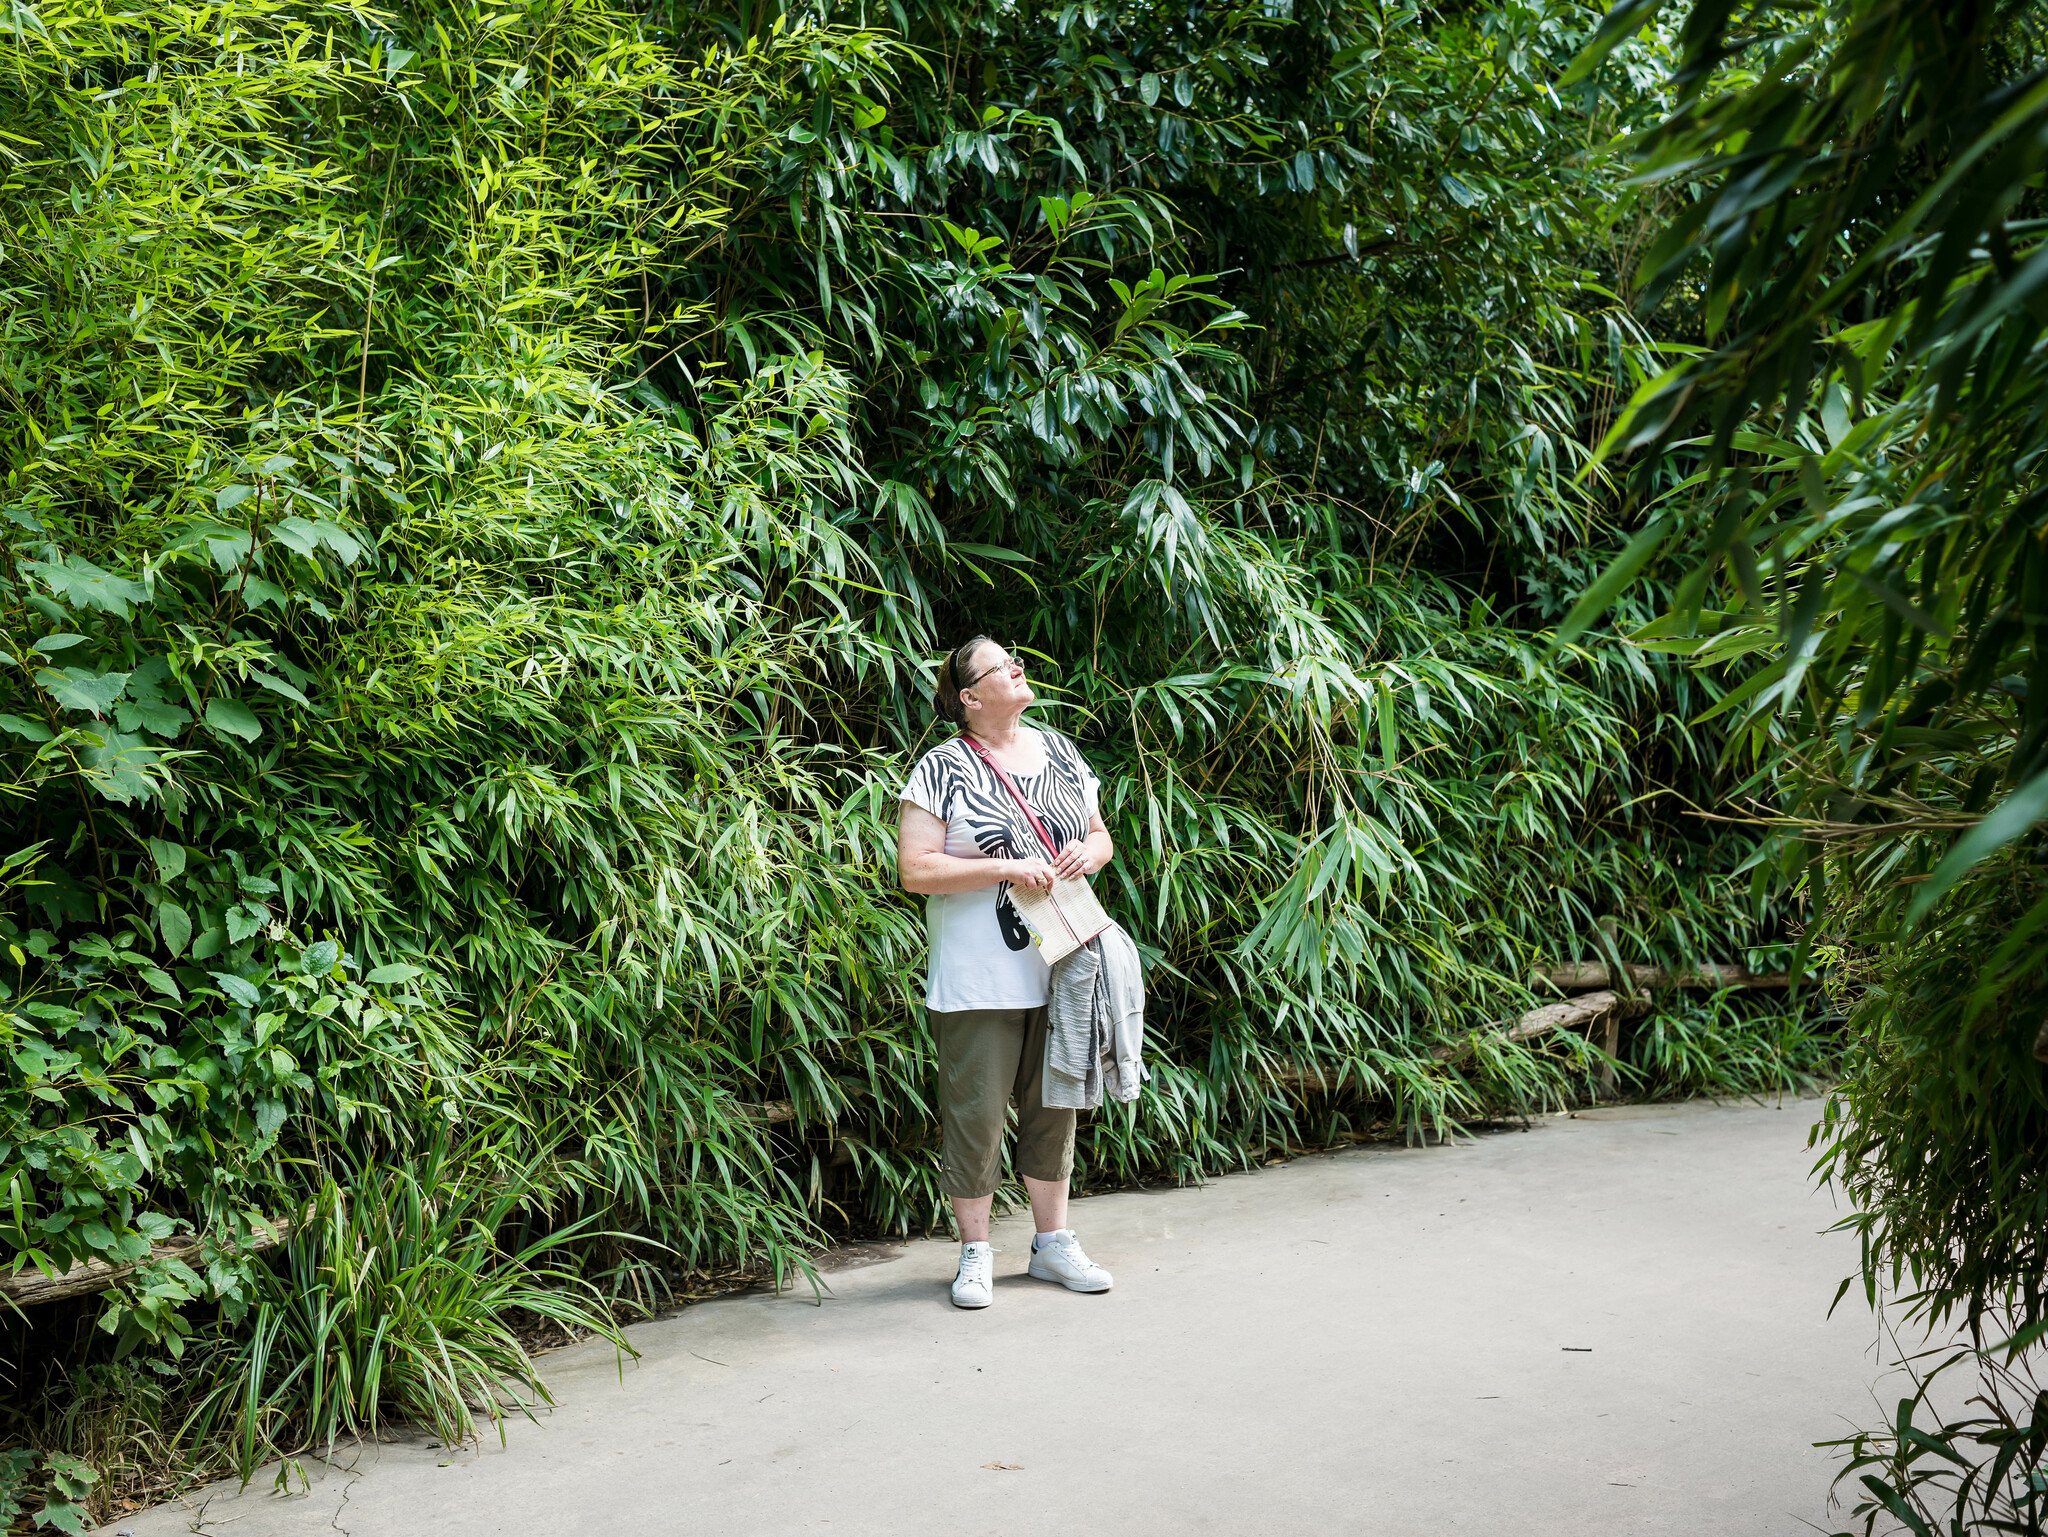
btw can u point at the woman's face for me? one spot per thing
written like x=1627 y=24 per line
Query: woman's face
x=1000 y=688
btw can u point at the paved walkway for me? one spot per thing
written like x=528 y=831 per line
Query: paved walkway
x=1615 y=1323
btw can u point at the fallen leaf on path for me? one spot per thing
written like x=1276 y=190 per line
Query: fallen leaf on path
x=1005 y=1467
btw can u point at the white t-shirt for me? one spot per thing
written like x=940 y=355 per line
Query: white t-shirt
x=982 y=953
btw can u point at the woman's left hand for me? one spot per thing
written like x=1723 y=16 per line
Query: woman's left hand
x=1075 y=861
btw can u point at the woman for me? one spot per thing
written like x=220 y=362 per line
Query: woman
x=962 y=842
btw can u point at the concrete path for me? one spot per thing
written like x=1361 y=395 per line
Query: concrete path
x=1615 y=1323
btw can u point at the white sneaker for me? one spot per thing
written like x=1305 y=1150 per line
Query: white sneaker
x=974 y=1286
x=1062 y=1261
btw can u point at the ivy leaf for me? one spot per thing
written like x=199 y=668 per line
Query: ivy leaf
x=338 y=539
x=234 y=718
x=33 y=731
x=81 y=582
x=243 y=923
x=143 y=715
x=146 y=682
x=119 y=767
x=169 y=857
x=75 y=688
x=65 y=1515
x=299 y=535
x=255 y=592
x=321 y=957
x=228 y=548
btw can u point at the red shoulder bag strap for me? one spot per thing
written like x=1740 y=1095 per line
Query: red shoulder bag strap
x=1017 y=795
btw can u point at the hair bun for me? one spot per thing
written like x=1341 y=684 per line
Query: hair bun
x=946 y=697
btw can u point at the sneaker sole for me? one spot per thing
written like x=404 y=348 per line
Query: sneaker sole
x=970 y=1306
x=1040 y=1275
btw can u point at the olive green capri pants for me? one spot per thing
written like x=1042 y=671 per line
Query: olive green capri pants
x=985 y=1056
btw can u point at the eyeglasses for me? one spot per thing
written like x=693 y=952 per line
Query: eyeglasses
x=1004 y=665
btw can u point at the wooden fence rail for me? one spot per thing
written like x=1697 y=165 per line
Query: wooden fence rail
x=1579 y=976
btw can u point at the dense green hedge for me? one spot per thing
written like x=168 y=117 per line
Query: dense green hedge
x=484 y=485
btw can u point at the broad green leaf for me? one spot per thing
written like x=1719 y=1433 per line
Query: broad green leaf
x=175 y=924
x=76 y=688
x=270 y=1114
x=121 y=767
x=233 y=718
x=162 y=719
x=257 y=593
x=278 y=686
x=248 y=994
x=347 y=548
x=300 y=535
x=82 y=583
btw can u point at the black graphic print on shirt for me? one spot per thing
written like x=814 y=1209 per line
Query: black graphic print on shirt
x=953 y=777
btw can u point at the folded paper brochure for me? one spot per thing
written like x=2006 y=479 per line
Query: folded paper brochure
x=1064 y=918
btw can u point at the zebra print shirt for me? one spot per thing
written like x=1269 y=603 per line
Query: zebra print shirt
x=982 y=955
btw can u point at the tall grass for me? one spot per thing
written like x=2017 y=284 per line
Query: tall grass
x=1728 y=1043
x=397 y=1301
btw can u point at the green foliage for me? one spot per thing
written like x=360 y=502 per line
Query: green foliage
x=1981 y=1472
x=482 y=490
x=66 y=1486
x=1859 y=223
x=1875 y=555
x=396 y=1298
x=1726 y=1044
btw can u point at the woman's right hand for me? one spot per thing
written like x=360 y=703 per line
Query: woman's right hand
x=1029 y=872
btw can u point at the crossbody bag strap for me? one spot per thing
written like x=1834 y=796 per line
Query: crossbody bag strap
x=1017 y=795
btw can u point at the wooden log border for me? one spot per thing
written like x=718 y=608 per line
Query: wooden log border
x=1582 y=976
